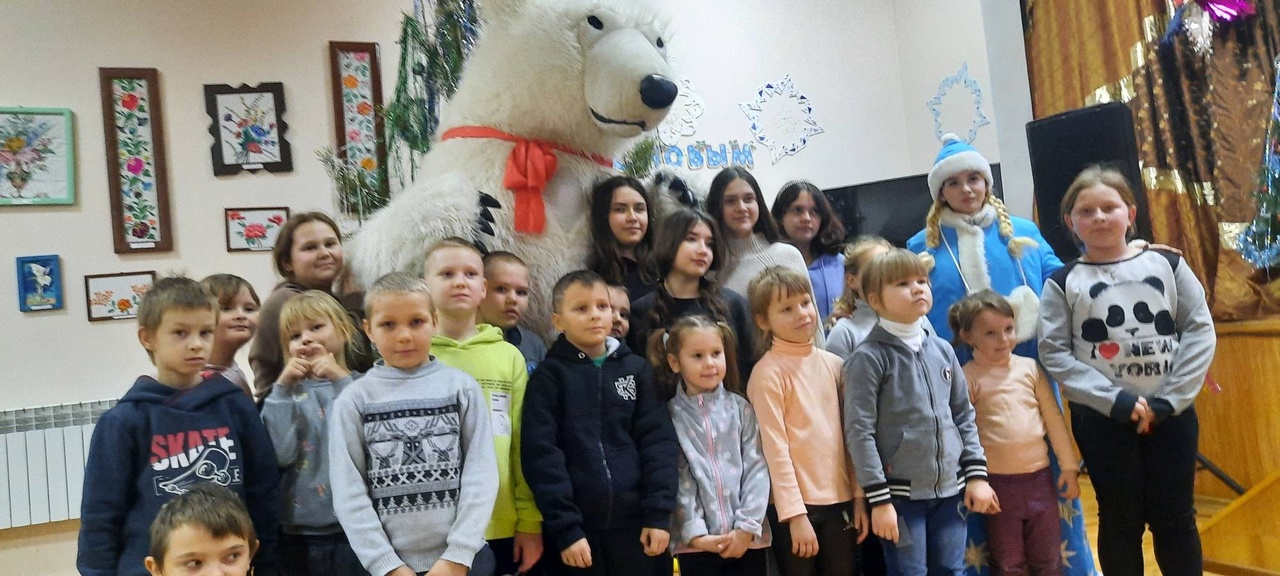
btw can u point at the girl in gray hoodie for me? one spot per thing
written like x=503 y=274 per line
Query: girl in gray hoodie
x=719 y=524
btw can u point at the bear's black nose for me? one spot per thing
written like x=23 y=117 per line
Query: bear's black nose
x=657 y=92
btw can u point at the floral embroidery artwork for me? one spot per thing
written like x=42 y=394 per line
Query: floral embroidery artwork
x=254 y=229
x=35 y=156
x=249 y=132
x=116 y=296
x=135 y=144
x=361 y=145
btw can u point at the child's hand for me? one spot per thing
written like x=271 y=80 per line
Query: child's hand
x=294 y=371
x=710 y=543
x=402 y=571
x=736 y=543
x=861 y=520
x=654 y=540
x=980 y=498
x=1146 y=417
x=804 y=542
x=445 y=568
x=1069 y=483
x=327 y=368
x=1139 y=410
x=577 y=555
x=528 y=549
x=884 y=522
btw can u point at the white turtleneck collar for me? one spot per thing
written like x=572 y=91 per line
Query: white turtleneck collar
x=911 y=334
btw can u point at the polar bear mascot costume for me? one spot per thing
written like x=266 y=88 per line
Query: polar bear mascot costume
x=552 y=92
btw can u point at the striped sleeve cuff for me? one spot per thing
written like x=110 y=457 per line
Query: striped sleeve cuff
x=973 y=470
x=877 y=494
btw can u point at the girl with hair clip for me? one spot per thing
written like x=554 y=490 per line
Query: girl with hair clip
x=719 y=527
x=819 y=513
x=621 y=214
x=686 y=248
x=808 y=222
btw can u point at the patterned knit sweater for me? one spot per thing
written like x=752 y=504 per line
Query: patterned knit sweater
x=412 y=466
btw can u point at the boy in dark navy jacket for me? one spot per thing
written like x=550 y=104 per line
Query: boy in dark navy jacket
x=169 y=434
x=599 y=449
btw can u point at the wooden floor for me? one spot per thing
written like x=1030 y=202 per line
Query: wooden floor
x=1205 y=509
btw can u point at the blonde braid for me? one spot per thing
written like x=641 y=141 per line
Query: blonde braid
x=1006 y=225
x=933 y=225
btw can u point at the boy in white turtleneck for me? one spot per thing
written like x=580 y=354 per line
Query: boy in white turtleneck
x=905 y=398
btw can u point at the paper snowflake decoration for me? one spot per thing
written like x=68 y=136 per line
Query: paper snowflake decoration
x=681 y=121
x=963 y=80
x=781 y=118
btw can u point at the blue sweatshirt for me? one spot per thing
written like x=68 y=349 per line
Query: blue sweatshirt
x=157 y=443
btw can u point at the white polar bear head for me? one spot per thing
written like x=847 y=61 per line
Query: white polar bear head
x=588 y=75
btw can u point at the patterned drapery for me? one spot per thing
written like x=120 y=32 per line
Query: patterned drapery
x=1200 y=122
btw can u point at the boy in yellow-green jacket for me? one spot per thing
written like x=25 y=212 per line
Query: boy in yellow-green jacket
x=454 y=271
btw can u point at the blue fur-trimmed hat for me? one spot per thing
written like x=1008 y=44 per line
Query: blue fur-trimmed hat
x=955 y=157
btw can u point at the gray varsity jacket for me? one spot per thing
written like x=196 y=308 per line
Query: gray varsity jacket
x=908 y=423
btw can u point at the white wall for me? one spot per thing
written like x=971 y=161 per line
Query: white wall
x=57 y=357
x=936 y=38
x=841 y=54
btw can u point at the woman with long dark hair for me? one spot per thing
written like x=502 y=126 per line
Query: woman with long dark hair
x=621 y=216
x=808 y=222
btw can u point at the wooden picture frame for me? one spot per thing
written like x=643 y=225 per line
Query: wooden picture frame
x=116 y=296
x=37 y=156
x=253 y=229
x=137 y=166
x=248 y=128
x=356 y=77
x=39 y=283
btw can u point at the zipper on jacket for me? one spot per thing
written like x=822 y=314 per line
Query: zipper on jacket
x=604 y=459
x=715 y=464
x=937 y=424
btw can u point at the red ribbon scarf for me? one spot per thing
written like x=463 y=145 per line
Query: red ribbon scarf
x=530 y=166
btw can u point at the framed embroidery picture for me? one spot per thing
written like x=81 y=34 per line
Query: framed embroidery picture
x=37 y=156
x=137 y=171
x=248 y=128
x=357 y=96
x=39 y=283
x=116 y=296
x=253 y=229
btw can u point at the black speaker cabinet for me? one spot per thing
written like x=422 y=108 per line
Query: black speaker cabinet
x=1063 y=145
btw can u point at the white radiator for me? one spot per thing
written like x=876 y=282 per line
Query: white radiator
x=42 y=457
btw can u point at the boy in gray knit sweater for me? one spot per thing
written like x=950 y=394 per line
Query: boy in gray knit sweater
x=411 y=452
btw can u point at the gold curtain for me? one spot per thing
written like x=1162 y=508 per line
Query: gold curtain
x=1200 y=122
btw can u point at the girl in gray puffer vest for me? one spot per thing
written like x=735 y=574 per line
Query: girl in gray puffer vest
x=719 y=524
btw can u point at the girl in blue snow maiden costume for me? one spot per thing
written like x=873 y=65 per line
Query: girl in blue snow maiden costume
x=975 y=244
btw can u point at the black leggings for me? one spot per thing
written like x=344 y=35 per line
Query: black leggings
x=1142 y=481
x=837 y=547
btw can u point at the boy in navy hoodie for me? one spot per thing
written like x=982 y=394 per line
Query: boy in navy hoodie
x=599 y=449
x=170 y=433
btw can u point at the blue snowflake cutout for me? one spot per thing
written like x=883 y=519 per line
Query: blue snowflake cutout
x=781 y=118
x=960 y=78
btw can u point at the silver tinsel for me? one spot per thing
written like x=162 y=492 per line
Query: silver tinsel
x=1199 y=26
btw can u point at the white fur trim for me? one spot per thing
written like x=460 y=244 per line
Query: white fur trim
x=1026 y=312
x=972 y=251
x=955 y=164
